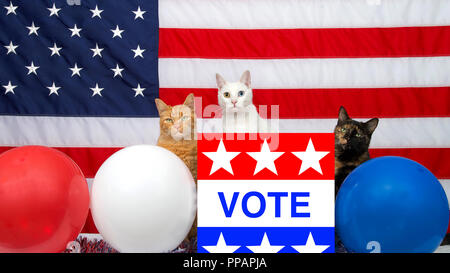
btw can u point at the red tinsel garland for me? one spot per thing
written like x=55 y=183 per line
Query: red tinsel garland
x=86 y=245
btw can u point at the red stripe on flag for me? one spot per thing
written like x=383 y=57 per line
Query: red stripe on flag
x=89 y=225
x=304 y=43
x=435 y=159
x=324 y=103
x=88 y=159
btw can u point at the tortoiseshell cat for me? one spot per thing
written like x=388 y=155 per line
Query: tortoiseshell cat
x=178 y=135
x=352 y=140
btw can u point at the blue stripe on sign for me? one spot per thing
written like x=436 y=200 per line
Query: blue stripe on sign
x=286 y=236
x=31 y=96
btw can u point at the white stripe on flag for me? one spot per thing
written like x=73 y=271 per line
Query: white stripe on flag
x=77 y=131
x=89 y=182
x=91 y=236
x=251 y=14
x=308 y=73
x=120 y=132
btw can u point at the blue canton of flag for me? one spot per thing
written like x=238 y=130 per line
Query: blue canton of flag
x=98 y=58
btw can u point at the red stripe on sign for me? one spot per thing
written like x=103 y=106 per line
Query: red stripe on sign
x=304 y=43
x=434 y=159
x=324 y=103
x=244 y=166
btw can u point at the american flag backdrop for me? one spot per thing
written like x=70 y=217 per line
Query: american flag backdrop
x=83 y=78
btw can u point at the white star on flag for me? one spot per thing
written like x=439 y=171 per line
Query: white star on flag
x=75 y=31
x=139 y=13
x=96 y=12
x=138 y=52
x=11 y=48
x=55 y=49
x=97 y=51
x=265 y=246
x=11 y=9
x=53 y=89
x=117 y=32
x=33 y=29
x=221 y=246
x=138 y=90
x=310 y=246
x=53 y=10
x=117 y=71
x=75 y=70
x=97 y=90
x=310 y=158
x=265 y=158
x=32 y=69
x=221 y=158
x=9 y=88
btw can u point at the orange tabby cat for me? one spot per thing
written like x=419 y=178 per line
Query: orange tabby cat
x=178 y=130
x=178 y=135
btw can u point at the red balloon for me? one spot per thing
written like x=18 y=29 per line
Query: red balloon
x=44 y=200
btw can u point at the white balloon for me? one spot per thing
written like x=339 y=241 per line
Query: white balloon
x=143 y=199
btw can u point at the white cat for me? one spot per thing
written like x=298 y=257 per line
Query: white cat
x=239 y=115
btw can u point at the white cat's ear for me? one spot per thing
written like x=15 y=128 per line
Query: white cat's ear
x=189 y=102
x=161 y=106
x=220 y=81
x=246 y=79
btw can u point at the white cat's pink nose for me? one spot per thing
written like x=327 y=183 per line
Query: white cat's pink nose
x=234 y=102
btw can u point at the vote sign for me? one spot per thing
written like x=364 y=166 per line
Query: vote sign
x=266 y=193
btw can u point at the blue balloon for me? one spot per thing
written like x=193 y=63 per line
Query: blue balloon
x=391 y=204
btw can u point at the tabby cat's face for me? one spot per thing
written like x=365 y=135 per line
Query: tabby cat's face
x=177 y=122
x=353 y=137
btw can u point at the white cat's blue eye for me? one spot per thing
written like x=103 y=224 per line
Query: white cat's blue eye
x=240 y=93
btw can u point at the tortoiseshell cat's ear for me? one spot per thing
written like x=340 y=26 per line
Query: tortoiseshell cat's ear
x=343 y=116
x=372 y=125
x=161 y=106
x=189 y=101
